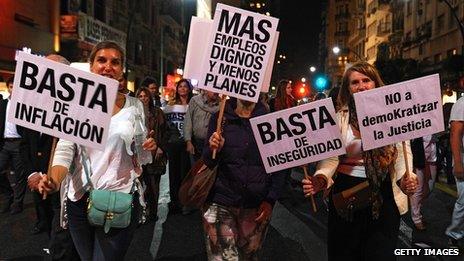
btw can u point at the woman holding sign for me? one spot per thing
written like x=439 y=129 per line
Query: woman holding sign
x=179 y=159
x=369 y=193
x=115 y=169
x=239 y=205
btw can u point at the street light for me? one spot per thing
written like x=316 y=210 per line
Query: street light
x=312 y=69
x=336 y=50
x=303 y=79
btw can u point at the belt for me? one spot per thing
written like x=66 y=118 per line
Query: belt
x=11 y=139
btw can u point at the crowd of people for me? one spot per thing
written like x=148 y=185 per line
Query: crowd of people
x=181 y=131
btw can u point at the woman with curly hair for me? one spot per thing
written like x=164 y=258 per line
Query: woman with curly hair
x=367 y=227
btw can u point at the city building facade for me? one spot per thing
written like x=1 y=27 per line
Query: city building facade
x=357 y=28
x=378 y=29
x=150 y=31
x=431 y=32
x=337 y=34
x=31 y=26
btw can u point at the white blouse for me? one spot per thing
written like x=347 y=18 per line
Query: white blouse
x=111 y=169
x=352 y=163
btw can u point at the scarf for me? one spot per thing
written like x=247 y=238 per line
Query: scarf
x=377 y=163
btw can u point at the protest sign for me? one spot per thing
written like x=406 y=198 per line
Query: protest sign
x=176 y=115
x=238 y=52
x=297 y=136
x=62 y=101
x=200 y=29
x=270 y=65
x=400 y=112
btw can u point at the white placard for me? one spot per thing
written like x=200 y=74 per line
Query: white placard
x=297 y=136
x=176 y=114
x=238 y=52
x=270 y=65
x=62 y=101
x=399 y=112
x=200 y=29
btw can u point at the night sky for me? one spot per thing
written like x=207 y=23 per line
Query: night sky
x=299 y=27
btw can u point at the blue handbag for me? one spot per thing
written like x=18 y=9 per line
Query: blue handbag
x=107 y=209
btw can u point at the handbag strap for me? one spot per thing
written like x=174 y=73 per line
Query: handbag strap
x=85 y=165
x=88 y=171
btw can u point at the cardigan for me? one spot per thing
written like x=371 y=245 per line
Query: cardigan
x=328 y=167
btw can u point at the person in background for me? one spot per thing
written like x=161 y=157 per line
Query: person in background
x=196 y=121
x=239 y=205
x=123 y=86
x=264 y=98
x=10 y=159
x=319 y=96
x=199 y=112
x=455 y=230
x=115 y=168
x=179 y=160
x=444 y=157
x=152 y=85
x=284 y=98
x=156 y=123
x=35 y=152
x=424 y=150
x=371 y=231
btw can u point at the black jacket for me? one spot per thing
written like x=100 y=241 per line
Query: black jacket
x=418 y=154
x=3 y=104
x=242 y=180
x=35 y=151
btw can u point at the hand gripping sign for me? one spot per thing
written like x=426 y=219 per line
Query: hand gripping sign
x=238 y=56
x=62 y=101
x=237 y=53
x=297 y=136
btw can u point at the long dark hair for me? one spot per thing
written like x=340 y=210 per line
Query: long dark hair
x=281 y=94
x=151 y=106
x=177 y=96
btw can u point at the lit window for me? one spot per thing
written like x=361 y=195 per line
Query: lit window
x=258 y=5
x=455 y=51
x=268 y=14
x=252 y=4
x=264 y=4
x=339 y=58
